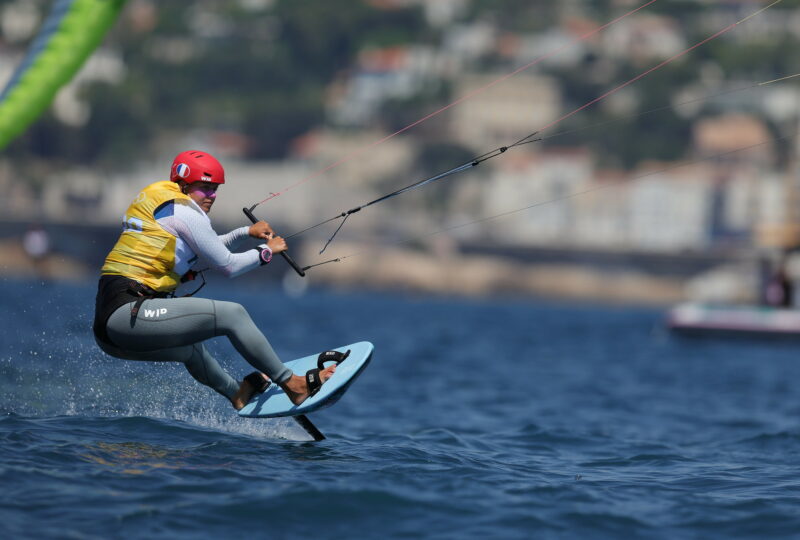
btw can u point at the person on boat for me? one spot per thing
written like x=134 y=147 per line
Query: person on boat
x=779 y=290
x=166 y=232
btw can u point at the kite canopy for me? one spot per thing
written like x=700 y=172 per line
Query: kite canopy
x=71 y=32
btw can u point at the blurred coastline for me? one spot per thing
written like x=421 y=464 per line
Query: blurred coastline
x=682 y=186
x=436 y=267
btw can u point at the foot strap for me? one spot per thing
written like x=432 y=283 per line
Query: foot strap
x=313 y=380
x=331 y=356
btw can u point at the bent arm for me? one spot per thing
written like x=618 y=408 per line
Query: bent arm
x=194 y=228
x=235 y=238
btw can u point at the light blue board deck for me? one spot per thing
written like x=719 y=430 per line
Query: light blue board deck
x=274 y=401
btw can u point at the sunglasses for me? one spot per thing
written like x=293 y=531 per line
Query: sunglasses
x=207 y=190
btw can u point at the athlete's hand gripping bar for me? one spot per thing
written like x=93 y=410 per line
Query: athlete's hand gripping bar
x=249 y=213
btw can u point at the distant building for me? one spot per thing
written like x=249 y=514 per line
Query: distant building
x=19 y=21
x=363 y=162
x=777 y=223
x=503 y=112
x=741 y=202
x=464 y=42
x=601 y=212
x=529 y=47
x=546 y=183
x=643 y=37
x=382 y=75
x=736 y=138
x=670 y=210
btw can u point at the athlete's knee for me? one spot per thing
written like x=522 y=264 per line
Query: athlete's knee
x=231 y=310
x=231 y=315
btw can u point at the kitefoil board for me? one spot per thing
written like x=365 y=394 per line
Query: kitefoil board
x=274 y=402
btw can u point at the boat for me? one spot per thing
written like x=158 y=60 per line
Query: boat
x=754 y=321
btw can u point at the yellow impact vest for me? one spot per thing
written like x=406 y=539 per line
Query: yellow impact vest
x=145 y=252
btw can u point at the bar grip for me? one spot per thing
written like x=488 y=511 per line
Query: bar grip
x=283 y=254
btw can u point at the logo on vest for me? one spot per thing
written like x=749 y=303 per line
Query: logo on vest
x=132 y=224
x=154 y=313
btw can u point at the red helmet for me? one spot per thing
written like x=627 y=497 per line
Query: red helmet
x=195 y=166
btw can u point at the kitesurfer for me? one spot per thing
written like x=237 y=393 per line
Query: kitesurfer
x=166 y=231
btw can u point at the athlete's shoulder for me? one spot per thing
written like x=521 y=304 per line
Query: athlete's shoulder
x=188 y=210
x=166 y=186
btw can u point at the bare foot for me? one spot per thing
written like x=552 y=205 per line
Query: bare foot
x=245 y=394
x=296 y=388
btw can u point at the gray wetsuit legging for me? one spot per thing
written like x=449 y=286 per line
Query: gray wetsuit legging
x=173 y=329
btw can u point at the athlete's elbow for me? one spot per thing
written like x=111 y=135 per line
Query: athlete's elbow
x=232 y=272
x=228 y=271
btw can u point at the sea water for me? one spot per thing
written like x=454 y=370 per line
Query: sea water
x=492 y=418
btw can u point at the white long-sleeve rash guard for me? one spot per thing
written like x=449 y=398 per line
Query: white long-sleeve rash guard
x=196 y=239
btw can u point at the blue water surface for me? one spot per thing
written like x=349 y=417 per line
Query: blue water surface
x=476 y=419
